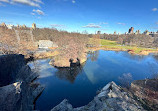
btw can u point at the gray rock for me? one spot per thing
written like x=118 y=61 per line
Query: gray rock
x=63 y=106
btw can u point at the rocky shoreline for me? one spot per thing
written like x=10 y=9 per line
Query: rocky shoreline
x=142 y=96
x=110 y=98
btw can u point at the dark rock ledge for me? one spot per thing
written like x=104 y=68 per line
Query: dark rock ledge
x=17 y=89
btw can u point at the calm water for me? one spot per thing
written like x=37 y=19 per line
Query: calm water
x=79 y=85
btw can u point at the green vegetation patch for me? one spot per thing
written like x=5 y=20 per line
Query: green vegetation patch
x=108 y=42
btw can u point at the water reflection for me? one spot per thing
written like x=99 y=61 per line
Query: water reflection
x=133 y=57
x=90 y=72
x=69 y=73
x=125 y=80
x=42 y=68
x=156 y=57
x=93 y=55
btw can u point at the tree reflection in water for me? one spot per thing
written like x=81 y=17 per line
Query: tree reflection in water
x=133 y=57
x=156 y=57
x=69 y=73
x=93 y=55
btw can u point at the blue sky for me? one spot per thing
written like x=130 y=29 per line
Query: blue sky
x=79 y=15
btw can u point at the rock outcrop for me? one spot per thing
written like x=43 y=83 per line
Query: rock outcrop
x=59 y=62
x=17 y=91
x=147 y=92
x=110 y=98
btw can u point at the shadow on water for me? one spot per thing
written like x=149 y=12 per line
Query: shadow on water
x=70 y=73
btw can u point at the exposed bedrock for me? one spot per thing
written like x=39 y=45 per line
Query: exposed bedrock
x=17 y=91
x=110 y=98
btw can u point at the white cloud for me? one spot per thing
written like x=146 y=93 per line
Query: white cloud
x=27 y=2
x=38 y=1
x=92 y=25
x=157 y=23
x=33 y=13
x=39 y=12
x=73 y=1
x=34 y=3
x=154 y=9
x=121 y=23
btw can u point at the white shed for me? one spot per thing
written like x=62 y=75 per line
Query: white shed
x=46 y=44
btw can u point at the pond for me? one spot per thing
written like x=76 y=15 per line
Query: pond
x=80 y=84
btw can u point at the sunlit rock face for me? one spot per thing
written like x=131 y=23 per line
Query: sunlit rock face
x=61 y=61
x=17 y=91
x=147 y=92
x=110 y=98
